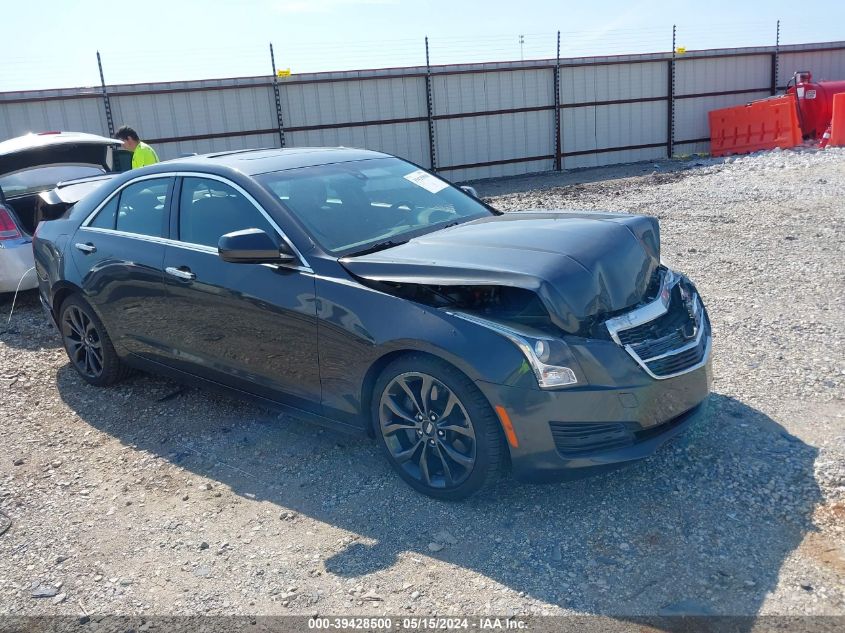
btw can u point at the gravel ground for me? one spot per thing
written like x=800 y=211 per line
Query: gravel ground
x=148 y=499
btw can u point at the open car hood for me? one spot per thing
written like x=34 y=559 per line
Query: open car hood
x=580 y=264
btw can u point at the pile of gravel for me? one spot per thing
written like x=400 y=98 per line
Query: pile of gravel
x=144 y=499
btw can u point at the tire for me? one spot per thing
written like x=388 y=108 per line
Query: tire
x=450 y=456
x=88 y=345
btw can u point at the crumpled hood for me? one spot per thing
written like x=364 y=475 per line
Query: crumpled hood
x=580 y=264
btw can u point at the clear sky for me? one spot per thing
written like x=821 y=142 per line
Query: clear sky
x=53 y=44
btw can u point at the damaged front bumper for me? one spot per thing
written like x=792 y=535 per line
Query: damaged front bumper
x=573 y=433
x=644 y=386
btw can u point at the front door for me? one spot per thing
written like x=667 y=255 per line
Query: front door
x=120 y=253
x=250 y=326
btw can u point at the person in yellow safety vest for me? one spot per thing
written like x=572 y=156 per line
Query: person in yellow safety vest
x=142 y=154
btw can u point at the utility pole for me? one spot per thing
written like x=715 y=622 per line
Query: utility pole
x=521 y=45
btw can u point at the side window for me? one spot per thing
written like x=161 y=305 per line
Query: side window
x=107 y=216
x=143 y=206
x=208 y=209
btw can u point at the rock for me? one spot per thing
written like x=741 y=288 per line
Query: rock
x=435 y=547
x=557 y=554
x=44 y=591
x=126 y=582
x=806 y=585
x=61 y=559
x=18 y=462
x=444 y=537
x=203 y=545
x=59 y=598
x=185 y=497
x=415 y=595
x=202 y=571
x=372 y=597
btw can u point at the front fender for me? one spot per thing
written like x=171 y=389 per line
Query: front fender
x=358 y=326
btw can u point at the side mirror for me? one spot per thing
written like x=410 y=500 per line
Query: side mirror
x=470 y=190
x=253 y=246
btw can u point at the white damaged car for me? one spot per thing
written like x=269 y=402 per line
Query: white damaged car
x=31 y=166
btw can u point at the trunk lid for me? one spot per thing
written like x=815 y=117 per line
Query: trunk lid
x=37 y=162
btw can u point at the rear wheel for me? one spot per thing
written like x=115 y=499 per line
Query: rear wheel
x=88 y=345
x=437 y=429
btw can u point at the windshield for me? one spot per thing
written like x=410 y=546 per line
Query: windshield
x=351 y=207
x=35 y=179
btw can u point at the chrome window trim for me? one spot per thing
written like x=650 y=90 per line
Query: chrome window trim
x=201 y=248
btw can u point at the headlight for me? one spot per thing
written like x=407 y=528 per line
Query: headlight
x=550 y=358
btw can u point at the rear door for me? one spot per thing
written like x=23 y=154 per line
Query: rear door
x=249 y=326
x=119 y=252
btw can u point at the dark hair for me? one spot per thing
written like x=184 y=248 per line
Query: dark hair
x=126 y=132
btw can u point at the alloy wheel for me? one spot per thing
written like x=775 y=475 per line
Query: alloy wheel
x=83 y=342
x=427 y=430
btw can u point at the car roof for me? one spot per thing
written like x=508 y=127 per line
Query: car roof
x=261 y=161
x=47 y=139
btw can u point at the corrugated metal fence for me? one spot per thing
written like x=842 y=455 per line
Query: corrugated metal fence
x=488 y=120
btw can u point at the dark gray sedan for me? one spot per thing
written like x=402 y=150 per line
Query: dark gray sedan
x=352 y=288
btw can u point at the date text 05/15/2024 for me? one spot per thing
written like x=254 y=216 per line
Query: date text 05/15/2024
x=418 y=624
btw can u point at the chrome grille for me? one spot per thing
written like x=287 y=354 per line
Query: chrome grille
x=670 y=335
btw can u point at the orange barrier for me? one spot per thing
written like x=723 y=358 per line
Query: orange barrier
x=764 y=124
x=837 y=121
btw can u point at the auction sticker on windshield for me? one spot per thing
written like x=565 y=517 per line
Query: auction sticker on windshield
x=426 y=181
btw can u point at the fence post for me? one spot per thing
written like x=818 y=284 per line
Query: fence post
x=670 y=106
x=278 y=99
x=106 y=102
x=430 y=105
x=776 y=61
x=558 y=156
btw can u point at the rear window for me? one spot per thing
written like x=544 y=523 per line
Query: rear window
x=46 y=177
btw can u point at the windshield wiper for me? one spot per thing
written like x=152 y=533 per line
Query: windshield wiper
x=378 y=246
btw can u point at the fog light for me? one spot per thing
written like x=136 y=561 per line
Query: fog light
x=557 y=376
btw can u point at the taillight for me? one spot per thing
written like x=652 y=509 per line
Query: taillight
x=8 y=229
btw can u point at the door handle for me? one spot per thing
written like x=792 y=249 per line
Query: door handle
x=181 y=273
x=87 y=248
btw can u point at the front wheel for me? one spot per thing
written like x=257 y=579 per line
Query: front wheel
x=88 y=345
x=436 y=427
